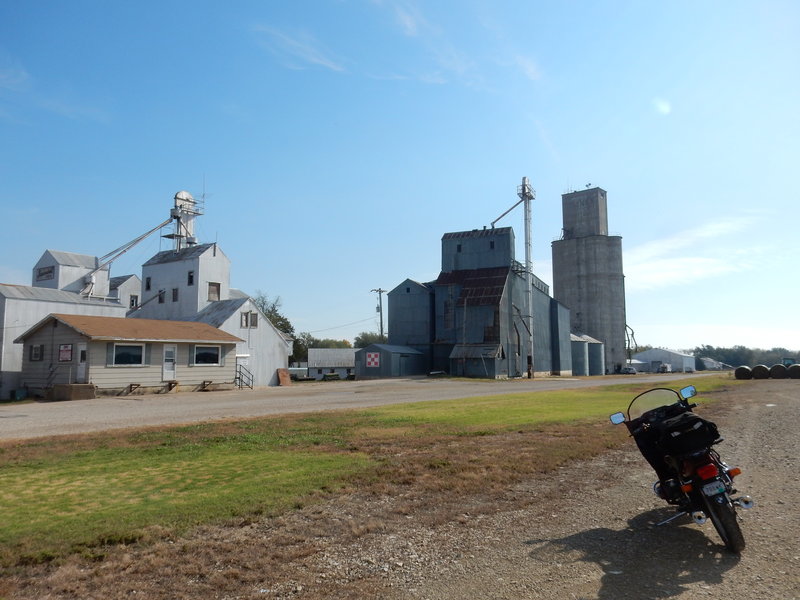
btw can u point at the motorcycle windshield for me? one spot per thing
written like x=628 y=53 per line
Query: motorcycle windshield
x=652 y=399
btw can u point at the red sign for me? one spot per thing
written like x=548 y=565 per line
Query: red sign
x=373 y=359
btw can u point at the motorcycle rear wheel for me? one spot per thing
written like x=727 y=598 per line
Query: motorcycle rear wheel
x=723 y=516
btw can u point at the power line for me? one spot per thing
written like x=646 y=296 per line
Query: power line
x=340 y=326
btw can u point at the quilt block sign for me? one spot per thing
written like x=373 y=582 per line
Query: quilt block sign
x=373 y=359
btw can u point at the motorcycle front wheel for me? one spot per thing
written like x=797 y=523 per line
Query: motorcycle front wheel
x=723 y=516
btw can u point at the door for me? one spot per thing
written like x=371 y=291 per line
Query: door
x=168 y=369
x=81 y=371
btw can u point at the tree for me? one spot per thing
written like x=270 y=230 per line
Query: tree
x=305 y=340
x=365 y=338
x=271 y=309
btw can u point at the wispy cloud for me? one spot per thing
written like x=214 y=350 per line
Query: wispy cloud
x=666 y=262
x=662 y=106
x=529 y=67
x=24 y=93
x=297 y=50
x=409 y=18
x=12 y=76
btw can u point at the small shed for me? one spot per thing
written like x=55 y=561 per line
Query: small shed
x=384 y=360
x=116 y=353
x=331 y=362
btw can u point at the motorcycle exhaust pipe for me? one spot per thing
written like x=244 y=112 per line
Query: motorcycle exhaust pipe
x=699 y=517
x=745 y=502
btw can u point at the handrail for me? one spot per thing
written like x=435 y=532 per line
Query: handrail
x=244 y=378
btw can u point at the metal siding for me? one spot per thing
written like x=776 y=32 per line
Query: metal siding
x=25 y=310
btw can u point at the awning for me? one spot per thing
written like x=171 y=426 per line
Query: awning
x=492 y=351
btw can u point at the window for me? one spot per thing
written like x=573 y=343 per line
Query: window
x=134 y=301
x=190 y=278
x=146 y=284
x=207 y=355
x=44 y=273
x=128 y=354
x=161 y=295
x=491 y=245
x=213 y=291
x=36 y=352
x=458 y=248
x=249 y=320
x=174 y=294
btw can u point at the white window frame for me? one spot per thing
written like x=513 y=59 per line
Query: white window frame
x=205 y=364
x=114 y=355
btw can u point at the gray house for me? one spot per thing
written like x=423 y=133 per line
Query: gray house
x=119 y=354
x=473 y=319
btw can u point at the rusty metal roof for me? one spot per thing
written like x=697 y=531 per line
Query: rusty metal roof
x=477 y=233
x=140 y=330
x=479 y=287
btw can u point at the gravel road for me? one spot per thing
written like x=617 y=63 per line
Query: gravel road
x=37 y=419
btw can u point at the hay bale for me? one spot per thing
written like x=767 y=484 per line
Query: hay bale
x=743 y=372
x=761 y=372
x=777 y=371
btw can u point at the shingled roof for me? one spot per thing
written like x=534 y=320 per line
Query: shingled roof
x=140 y=330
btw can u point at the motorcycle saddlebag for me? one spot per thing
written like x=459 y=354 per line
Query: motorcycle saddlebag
x=686 y=433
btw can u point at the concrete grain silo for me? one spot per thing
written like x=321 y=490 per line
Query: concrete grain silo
x=587 y=273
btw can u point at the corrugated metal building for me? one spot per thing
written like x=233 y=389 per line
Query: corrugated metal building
x=331 y=361
x=378 y=361
x=23 y=306
x=472 y=320
x=655 y=357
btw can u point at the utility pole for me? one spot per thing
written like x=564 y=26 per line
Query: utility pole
x=380 y=293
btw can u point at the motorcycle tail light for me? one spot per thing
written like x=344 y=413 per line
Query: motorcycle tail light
x=686 y=487
x=707 y=471
x=734 y=472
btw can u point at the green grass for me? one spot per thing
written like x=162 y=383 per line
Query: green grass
x=74 y=494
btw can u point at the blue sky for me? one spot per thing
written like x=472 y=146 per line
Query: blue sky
x=338 y=140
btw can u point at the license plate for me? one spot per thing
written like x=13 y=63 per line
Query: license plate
x=713 y=488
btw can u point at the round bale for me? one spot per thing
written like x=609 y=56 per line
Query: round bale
x=761 y=372
x=743 y=372
x=777 y=371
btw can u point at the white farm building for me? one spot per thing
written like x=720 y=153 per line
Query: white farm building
x=652 y=360
x=188 y=283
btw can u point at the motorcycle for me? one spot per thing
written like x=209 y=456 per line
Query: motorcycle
x=679 y=446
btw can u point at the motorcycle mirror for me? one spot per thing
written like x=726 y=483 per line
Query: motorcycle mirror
x=688 y=392
x=617 y=418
